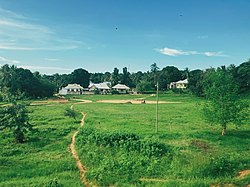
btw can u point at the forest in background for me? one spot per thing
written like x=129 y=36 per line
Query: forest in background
x=23 y=83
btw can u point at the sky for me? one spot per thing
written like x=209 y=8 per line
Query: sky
x=55 y=36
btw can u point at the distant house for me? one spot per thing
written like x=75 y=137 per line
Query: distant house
x=182 y=84
x=103 y=88
x=121 y=88
x=71 y=89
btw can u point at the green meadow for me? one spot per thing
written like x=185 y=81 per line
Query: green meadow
x=119 y=147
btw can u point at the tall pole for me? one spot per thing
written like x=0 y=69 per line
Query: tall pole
x=157 y=97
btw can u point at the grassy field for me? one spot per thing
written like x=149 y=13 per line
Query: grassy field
x=186 y=151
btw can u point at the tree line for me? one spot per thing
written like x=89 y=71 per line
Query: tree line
x=19 y=81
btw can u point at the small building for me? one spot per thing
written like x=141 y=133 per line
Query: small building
x=103 y=88
x=71 y=89
x=121 y=88
x=182 y=84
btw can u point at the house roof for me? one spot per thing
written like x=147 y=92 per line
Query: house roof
x=103 y=86
x=121 y=87
x=74 y=86
x=182 y=81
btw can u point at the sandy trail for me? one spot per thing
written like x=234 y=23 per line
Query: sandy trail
x=81 y=101
x=135 y=102
x=80 y=166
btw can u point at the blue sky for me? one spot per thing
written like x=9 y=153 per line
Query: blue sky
x=55 y=36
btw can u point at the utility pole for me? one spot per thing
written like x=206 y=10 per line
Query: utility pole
x=157 y=98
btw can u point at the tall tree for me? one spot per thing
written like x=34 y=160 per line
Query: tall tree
x=223 y=105
x=167 y=75
x=243 y=76
x=80 y=76
x=126 y=77
x=195 y=82
x=154 y=72
x=115 y=77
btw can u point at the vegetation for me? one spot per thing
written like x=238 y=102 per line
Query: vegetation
x=44 y=159
x=15 y=118
x=22 y=81
x=224 y=105
x=70 y=112
x=196 y=154
x=119 y=140
x=117 y=144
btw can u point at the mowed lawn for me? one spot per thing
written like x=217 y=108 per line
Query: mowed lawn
x=45 y=157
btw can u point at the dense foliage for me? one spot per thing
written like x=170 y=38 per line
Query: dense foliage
x=15 y=118
x=21 y=81
x=223 y=104
x=18 y=81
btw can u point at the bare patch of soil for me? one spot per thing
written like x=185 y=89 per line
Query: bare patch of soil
x=134 y=102
x=200 y=145
x=82 y=101
x=244 y=173
x=152 y=180
x=49 y=101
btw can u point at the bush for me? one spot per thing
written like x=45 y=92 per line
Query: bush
x=221 y=166
x=70 y=113
x=127 y=141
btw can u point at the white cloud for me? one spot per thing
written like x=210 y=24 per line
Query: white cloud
x=220 y=53
x=20 y=33
x=8 y=61
x=171 y=52
x=175 y=52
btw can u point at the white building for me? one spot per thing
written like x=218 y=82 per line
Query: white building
x=103 y=88
x=71 y=89
x=121 y=88
x=182 y=84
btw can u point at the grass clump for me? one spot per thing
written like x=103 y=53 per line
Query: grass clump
x=122 y=154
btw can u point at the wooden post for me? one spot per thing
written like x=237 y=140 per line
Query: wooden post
x=157 y=98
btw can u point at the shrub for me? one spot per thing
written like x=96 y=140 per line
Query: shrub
x=126 y=141
x=221 y=166
x=70 y=113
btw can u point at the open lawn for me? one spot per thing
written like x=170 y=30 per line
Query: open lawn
x=119 y=147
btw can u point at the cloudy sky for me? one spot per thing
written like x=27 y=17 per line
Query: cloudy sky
x=55 y=36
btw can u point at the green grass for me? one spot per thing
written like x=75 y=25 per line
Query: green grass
x=181 y=126
x=195 y=146
x=45 y=156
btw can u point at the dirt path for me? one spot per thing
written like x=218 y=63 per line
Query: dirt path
x=80 y=166
x=135 y=102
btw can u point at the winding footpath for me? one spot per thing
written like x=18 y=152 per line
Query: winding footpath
x=80 y=166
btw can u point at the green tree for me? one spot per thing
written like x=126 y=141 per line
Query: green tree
x=19 y=80
x=15 y=118
x=223 y=105
x=195 y=82
x=80 y=76
x=115 y=77
x=154 y=73
x=243 y=76
x=125 y=79
x=167 y=75
x=144 y=86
